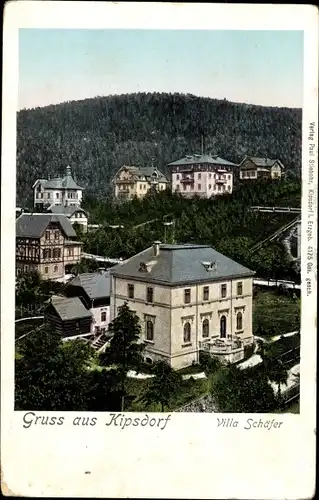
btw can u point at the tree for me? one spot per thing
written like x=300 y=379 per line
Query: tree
x=208 y=363
x=51 y=375
x=125 y=349
x=85 y=266
x=164 y=385
x=242 y=391
x=273 y=367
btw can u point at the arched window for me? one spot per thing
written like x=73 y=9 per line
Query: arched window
x=149 y=330
x=223 y=327
x=239 y=321
x=205 y=328
x=187 y=332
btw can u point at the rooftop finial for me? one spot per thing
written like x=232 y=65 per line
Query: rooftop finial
x=68 y=170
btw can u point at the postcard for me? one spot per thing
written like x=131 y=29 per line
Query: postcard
x=158 y=248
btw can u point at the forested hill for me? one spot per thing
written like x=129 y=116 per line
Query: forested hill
x=97 y=136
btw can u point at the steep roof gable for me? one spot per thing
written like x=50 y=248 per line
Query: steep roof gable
x=69 y=308
x=34 y=225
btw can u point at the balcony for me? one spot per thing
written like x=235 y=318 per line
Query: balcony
x=187 y=179
x=221 y=180
x=124 y=181
x=229 y=350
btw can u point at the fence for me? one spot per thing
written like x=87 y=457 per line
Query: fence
x=29 y=311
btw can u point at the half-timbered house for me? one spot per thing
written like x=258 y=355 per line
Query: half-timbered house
x=44 y=244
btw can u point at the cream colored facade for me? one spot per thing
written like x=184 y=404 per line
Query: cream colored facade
x=256 y=168
x=169 y=314
x=131 y=182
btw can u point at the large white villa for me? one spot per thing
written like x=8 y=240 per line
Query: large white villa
x=188 y=298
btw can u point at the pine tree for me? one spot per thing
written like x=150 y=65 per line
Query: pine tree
x=125 y=349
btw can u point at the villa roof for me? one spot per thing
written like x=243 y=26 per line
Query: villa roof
x=145 y=172
x=34 y=225
x=65 y=182
x=68 y=211
x=96 y=285
x=181 y=264
x=69 y=308
x=196 y=159
x=263 y=162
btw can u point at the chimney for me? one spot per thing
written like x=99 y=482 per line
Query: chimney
x=68 y=170
x=156 y=248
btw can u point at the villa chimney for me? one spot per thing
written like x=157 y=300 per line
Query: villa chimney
x=156 y=248
x=68 y=170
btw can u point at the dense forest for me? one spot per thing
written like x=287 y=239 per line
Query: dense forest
x=97 y=136
x=226 y=223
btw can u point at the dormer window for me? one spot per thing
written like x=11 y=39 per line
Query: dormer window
x=209 y=266
x=143 y=267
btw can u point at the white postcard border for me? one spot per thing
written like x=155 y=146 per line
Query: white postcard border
x=191 y=457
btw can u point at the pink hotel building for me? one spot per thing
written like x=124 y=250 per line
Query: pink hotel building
x=202 y=175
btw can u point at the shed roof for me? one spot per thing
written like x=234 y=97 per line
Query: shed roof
x=69 y=308
x=34 y=225
x=181 y=264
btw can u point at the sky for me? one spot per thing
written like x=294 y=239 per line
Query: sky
x=256 y=67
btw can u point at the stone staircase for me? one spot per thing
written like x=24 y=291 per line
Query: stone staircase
x=100 y=342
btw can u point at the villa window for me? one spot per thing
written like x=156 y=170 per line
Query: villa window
x=209 y=186
x=223 y=327
x=199 y=187
x=177 y=177
x=149 y=294
x=103 y=316
x=55 y=269
x=205 y=328
x=56 y=235
x=47 y=235
x=187 y=333
x=57 y=195
x=229 y=188
x=206 y=293
x=130 y=291
x=223 y=291
x=70 y=252
x=149 y=330
x=239 y=321
x=46 y=270
x=187 y=296
x=46 y=254
x=199 y=175
x=239 y=288
x=56 y=253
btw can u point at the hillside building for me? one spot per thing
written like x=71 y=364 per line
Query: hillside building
x=94 y=291
x=253 y=167
x=69 y=317
x=202 y=175
x=58 y=191
x=75 y=214
x=188 y=298
x=44 y=244
x=130 y=182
